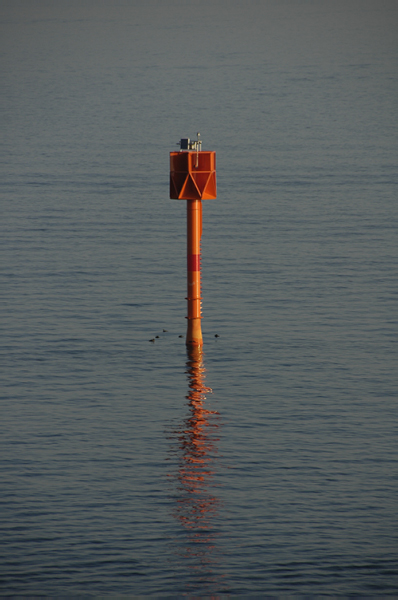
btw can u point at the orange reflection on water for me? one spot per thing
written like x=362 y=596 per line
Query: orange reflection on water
x=197 y=451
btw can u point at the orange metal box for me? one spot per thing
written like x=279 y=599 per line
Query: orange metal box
x=193 y=175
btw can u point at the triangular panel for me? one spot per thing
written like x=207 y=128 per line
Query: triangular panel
x=210 y=189
x=200 y=179
x=190 y=190
x=177 y=181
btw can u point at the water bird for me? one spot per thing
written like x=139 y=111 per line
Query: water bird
x=216 y=335
x=180 y=336
x=152 y=340
x=157 y=336
x=164 y=330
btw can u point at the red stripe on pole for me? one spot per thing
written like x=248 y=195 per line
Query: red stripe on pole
x=193 y=262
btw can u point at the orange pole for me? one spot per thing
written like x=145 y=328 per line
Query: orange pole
x=194 y=233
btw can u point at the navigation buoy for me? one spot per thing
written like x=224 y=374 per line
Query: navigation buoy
x=193 y=178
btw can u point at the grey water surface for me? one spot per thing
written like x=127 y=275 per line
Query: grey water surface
x=267 y=466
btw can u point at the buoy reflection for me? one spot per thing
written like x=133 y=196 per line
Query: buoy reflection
x=196 y=505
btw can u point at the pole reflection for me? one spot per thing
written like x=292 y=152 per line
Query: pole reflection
x=196 y=505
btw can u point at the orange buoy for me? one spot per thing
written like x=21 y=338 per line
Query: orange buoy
x=193 y=178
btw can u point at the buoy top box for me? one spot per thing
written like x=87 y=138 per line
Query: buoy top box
x=193 y=175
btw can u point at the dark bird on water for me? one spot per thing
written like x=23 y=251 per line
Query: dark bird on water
x=216 y=335
x=151 y=340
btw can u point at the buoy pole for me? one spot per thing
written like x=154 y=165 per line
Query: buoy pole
x=193 y=178
x=194 y=234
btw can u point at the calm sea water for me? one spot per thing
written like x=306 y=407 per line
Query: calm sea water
x=268 y=465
